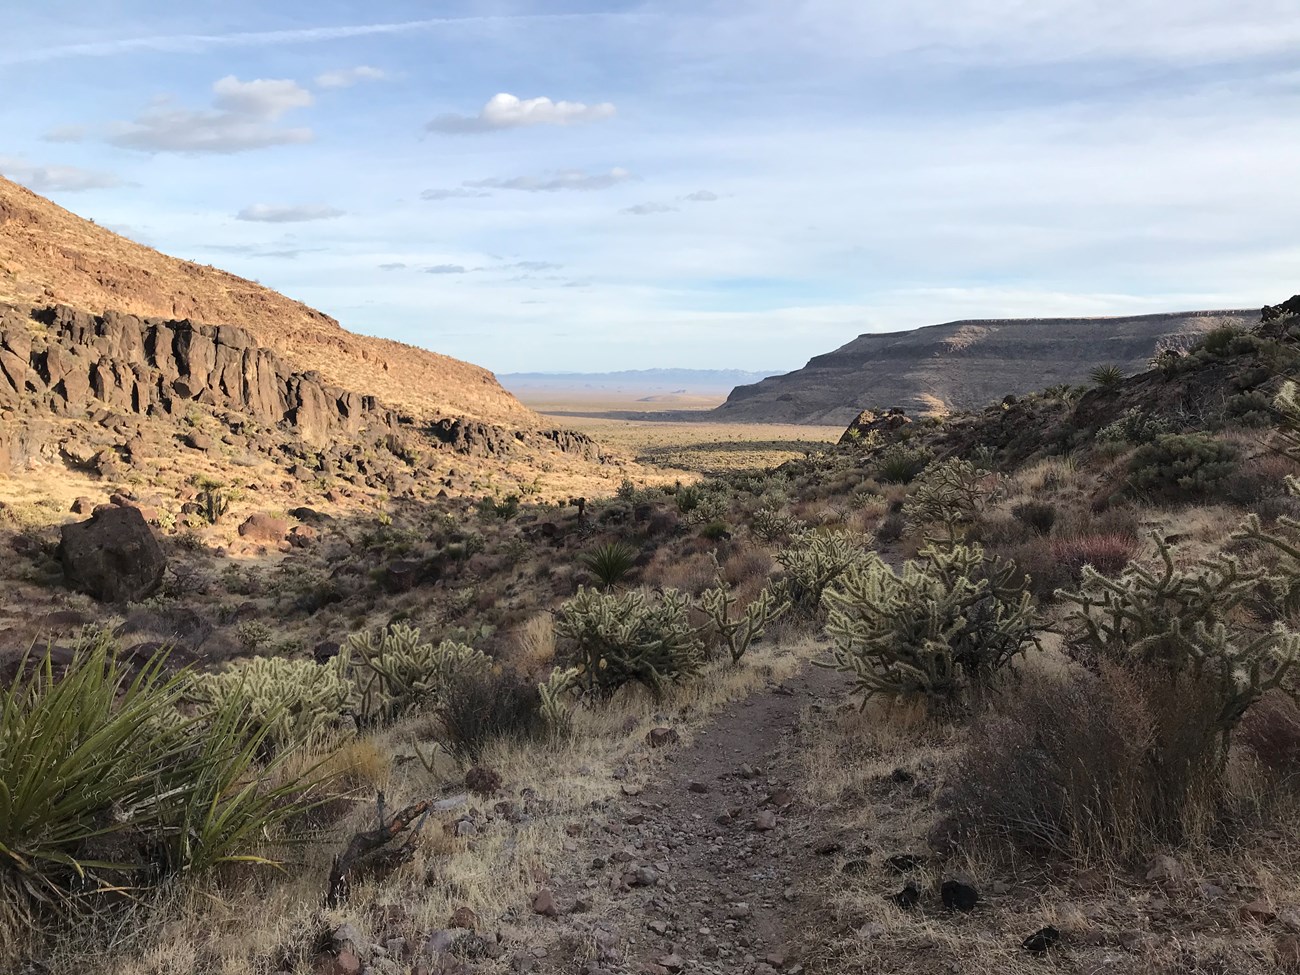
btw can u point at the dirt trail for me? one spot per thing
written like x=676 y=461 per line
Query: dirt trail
x=708 y=864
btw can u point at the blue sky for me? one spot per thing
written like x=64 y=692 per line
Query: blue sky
x=739 y=184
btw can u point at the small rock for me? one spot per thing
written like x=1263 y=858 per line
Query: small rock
x=658 y=927
x=673 y=962
x=345 y=962
x=1257 y=912
x=544 y=904
x=660 y=737
x=482 y=781
x=827 y=848
x=698 y=787
x=644 y=877
x=908 y=897
x=765 y=821
x=1165 y=869
x=463 y=917
x=466 y=827
x=1042 y=940
x=905 y=862
x=958 y=895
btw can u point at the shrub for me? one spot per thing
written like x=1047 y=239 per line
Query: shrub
x=480 y=707
x=1271 y=731
x=609 y=563
x=900 y=464
x=941 y=631
x=715 y=531
x=1135 y=426
x=1180 y=466
x=1038 y=515
x=813 y=561
x=688 y=499
x=284 y=702
x=739 y=632
x=1173 y=633
x=951 y=494
x=1106 y=376
x=1218 y=340
x=505 y=509
x=1107 y=552
x=630 y=637
x=395 y=673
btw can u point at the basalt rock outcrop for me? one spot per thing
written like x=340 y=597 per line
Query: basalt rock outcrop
x=121 y=371
x=112 y=556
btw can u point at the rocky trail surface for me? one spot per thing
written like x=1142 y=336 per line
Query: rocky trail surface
x=709 y=867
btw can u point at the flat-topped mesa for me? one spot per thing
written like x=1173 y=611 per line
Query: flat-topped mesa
x=152 y=367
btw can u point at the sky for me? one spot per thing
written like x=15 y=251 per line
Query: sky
x=586 y=186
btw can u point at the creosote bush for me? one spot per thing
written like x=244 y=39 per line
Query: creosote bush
x=1182 y=467
x=615 y=639
x=940 y=632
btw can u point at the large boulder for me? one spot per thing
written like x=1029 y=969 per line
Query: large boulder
x=113 y=556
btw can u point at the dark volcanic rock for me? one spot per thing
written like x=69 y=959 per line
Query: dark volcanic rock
x=113 y=556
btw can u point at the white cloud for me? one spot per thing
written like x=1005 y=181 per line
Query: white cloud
x=645 y=209
x=66 y=133
x=568 y=179
x=506 y=111
x=243 y=119
x=446 y=269
x=701 y=196
x=347 y=77
x=272 y=213
x=261 y=98
x=56 y=179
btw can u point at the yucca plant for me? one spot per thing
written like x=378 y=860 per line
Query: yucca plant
x=1106 y=376
x=609 y=563
x=83 y=754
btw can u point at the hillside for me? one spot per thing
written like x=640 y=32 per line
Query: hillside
x=960 y=365
x=51 y=256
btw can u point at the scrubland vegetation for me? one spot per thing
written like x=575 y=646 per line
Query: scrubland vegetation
x=1068 y=627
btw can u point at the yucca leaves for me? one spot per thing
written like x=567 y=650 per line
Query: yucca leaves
x=609 y=563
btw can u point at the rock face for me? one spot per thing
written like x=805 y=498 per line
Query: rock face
x=113 y=556
x=960 y=365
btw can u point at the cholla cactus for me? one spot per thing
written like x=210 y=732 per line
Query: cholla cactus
x=295 y=700
x=739 y=632
x=951 y=494
x=396 y=673
x=554 y=692
x=627 y=638
x=816 y=559
x=941 y=631
x=1177 y=623
x=771 y=523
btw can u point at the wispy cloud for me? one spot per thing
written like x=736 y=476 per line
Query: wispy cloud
x=701 y=196
x=66 y=133
x=243 y=117
x=56 y=179
x=506 y=111
x=453 y=194
x=569 y=179
x=646 y=209
x=297 y=213
x=347 y=77
x=446 y=269
x=196 y=43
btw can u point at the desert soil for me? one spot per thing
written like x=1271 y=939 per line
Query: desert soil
x=711 y=866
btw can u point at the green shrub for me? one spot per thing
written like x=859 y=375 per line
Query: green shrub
x=1107 y=376
x=1182 y=466
x=504 y=509
x=395 y=672
x=950 y=494
x=609 y=563
x=688 y=499
x=630 y=637
x=900 y=464
x=940 y=632
x=1135 y=426
x=715 y=531
x=1218 y=341
x=814 y=560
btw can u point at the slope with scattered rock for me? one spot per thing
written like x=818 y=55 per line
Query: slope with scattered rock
x=962 y=365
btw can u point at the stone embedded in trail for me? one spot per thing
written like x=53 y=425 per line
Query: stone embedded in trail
x=765 y=821
x=698 y=787
x=1165 y=869
x=544 y=904
x=908 y=897
x=827 y=847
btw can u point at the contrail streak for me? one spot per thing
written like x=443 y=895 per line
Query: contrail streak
x=191 y=43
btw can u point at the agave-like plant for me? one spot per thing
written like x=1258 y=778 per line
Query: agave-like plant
x=609 y=563
x=1106 y=376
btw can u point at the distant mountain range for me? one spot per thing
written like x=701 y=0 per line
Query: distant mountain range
x=632 y=383
x=961 y=365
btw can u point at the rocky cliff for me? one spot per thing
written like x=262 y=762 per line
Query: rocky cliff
x=50 y=256
x=120 y=371
x=961 y=365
